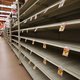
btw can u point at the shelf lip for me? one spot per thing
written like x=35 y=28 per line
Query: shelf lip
x=14 y=35
x=15 y=40
x=28 y=56
x=40 y=66
x=15 y=51
x=55 y=25
x=15 y=46
x=29 y=68
x=14 y=26
x=60 y=44
x=14 y=31
x=52 y=61
x=29 y=7
x=36 y=64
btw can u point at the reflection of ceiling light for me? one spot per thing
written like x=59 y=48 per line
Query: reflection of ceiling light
x=2 y=19
x=4 y=15
x=5 y=6
x=5 y=11
x=1 y=16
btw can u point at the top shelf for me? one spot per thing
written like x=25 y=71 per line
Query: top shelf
x=35 y=4
x=36 y=7
x=26 y=5
x=54 y=8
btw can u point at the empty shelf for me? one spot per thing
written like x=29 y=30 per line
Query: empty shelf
x=26 y=5
x=57 y=60
x=36 y=7
x=14 y=31
x=14 y=36
x=49 y=70
x=15 y=50
x=15 y=40
x=26 y=12
x=56 y=26
x=36 y=74
x=15 y=45
x=60 y=44
x=53 y=9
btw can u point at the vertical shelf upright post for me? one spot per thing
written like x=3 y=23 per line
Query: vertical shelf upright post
x=19 y=31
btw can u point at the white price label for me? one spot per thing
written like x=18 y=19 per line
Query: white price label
x=33 y=42
x=62 y=28
x=44 y=61
x=25 y=40
x=34 y=67
x=29 y=62
x=27 y=31
x=35 y=30
x=22 y=31
x=31 y=19
x=45 y=10
x=61 y=3
x=35 y=16
x=44 y=46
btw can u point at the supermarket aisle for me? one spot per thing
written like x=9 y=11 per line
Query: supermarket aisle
x=9 y=67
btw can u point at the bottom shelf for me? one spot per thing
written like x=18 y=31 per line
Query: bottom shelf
x=36 y=74
x=15 y=50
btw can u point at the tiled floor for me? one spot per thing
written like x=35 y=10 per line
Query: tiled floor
x=9 y=65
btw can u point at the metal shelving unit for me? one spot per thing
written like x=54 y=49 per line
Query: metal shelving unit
x=41 y=35
x=56 y=60
x=49 y=70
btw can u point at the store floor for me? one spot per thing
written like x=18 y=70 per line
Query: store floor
x=9 y=64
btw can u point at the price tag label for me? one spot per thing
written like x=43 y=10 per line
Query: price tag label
x=66 y=51
x=35 y=17
x=25 y=21
x=29 y=62
x=31 y=19
x=33 y=42
x=62 y=28
x=35 y=30
x=30 y=52
x=61 y=3
x=25 y=40
x=45 y=10
x=22 y=31
x=27 y=30
x=44 y=61
x=60 y=72
x=34 y=67
x=44 y=46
